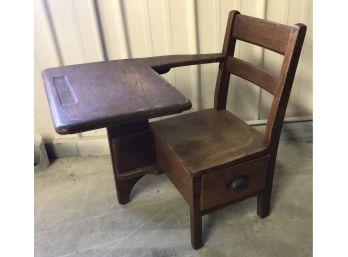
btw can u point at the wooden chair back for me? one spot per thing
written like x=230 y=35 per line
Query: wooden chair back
x=285 y=40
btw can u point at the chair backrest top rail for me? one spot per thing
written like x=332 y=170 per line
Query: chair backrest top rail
x=267 y=34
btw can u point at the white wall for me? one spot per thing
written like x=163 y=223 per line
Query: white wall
x=79 y=31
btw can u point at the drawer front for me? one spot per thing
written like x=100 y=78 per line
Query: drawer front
x=232 y=183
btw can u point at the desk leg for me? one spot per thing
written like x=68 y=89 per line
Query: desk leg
x=133 y=155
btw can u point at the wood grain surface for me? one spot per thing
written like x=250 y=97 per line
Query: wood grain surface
x=271 y=35
x=215 y=190
x=252 y=73
x=201 y=152
x=208 y=139
x=96 y=95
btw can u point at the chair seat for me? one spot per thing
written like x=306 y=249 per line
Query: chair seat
x=209 y=139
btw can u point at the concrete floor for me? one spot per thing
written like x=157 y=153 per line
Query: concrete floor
x=77 y=214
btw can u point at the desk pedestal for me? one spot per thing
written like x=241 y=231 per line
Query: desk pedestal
x=133 y=155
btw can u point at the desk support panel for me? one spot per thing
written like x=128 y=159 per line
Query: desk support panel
x=133 y=155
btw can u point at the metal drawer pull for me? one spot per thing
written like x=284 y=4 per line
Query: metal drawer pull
x=237 y=183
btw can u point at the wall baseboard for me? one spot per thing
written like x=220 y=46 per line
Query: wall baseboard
x=98 y=145
x=85 y=146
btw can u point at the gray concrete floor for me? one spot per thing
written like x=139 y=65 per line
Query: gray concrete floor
x=77 y=214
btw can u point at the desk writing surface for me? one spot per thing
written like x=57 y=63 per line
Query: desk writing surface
x=96 y=95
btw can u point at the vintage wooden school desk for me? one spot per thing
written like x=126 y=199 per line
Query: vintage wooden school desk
x=212 y=157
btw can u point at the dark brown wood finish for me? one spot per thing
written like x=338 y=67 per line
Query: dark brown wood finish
x=216 y=186
x=196 y=214
x=278 y=109
x=213 y=158
x=267 y=34
x=230 y=159
x=84 y=97
x=177 y=172
x=209 y=139
x=133 y=158
x=162 y=64
x=97 y=95
x=121 y=96
x=252 y=73
x=223 y=78
x=132 y=146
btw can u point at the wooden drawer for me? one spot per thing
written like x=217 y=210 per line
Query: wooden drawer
x=221 y=186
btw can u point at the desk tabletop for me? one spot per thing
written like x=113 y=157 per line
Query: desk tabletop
x=95 y=95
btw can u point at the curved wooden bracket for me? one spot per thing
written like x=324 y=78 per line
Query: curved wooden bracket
x=124 y=188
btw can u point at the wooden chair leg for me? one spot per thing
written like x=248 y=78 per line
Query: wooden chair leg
x=264 y=203
x=196 y=228
x=196 y=215
x=124 y=188
x=264 y=197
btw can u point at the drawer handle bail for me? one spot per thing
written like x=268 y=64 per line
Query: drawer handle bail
x=237 y=183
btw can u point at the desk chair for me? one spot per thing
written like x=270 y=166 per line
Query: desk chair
x=212 y=157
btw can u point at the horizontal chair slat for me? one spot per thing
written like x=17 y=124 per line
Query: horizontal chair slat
x=270 y=35
x=252 y=73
